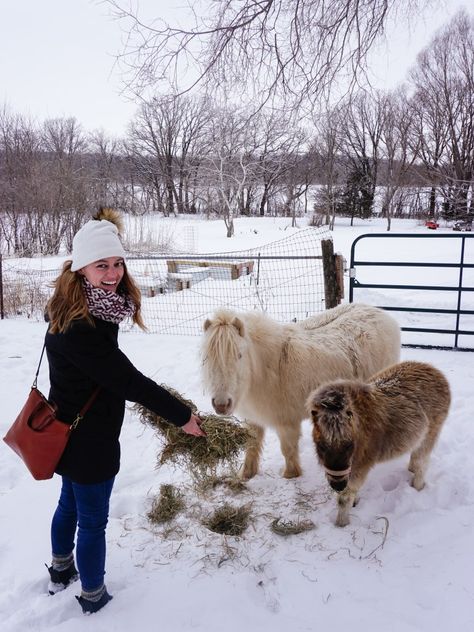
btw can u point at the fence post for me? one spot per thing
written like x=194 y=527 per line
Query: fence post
x=332 y=292
x=340 y=264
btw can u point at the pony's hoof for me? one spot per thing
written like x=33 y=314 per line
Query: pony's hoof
x=294 y=472
x=246 y=473
x=418 y=485
x=342 y=521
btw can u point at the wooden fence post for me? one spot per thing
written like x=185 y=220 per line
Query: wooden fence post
x=333 y=271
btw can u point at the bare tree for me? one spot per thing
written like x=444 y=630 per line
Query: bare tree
x=104 y=185
x=397 y=150
x=328 y=146
x=292 y=48
x=164 y=143
x=19 y=183
x=195 y=119
x=66 y=197
x=444 y=101
x=231 y=165
x=430 y=137
x=278 y=143
x=361 y=124
x=295 y=185
x=153 y=142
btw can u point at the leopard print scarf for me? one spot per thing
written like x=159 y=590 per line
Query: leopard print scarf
x=110 y=306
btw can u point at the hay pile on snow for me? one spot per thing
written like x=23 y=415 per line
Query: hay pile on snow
x=229 y=520
x=167 y=505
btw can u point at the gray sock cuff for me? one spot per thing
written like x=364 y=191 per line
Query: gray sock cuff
x=62 y=562
x=93 y=595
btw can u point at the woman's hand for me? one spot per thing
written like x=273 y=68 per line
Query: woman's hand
x=193 y=426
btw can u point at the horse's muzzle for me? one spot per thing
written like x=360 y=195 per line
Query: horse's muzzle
x=222 y=408
x=338 y=485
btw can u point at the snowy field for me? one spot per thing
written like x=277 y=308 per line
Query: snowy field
x=403 y=564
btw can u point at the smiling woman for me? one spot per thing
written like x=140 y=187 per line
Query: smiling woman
x=92 y=295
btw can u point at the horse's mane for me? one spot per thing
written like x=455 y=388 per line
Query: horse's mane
x=222 y=340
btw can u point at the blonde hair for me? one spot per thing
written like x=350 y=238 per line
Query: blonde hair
x=68 y=302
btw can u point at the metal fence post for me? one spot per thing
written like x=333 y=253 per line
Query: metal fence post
x=459 y=300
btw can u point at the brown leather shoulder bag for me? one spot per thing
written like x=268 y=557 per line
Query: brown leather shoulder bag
x=38 y=436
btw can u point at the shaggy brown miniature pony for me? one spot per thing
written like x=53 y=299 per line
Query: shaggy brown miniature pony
x=356 y=425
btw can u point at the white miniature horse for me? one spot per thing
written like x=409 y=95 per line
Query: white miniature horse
x=264 y=370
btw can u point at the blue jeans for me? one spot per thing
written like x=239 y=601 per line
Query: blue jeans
x=85 y=507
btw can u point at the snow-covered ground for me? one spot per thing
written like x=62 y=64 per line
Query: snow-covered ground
x=403 y=564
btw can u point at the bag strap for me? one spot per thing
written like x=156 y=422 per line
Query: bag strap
x=85 y=408
x=87 y=405
x=35 y=381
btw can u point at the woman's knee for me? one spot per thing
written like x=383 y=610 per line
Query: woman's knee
x=92 y=503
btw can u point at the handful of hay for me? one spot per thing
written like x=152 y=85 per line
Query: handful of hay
x=225 y=439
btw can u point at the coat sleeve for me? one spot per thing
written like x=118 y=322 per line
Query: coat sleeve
x=102 y=361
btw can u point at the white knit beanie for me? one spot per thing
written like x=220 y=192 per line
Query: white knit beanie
x=98 y=239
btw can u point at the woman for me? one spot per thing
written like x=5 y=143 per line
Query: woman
x=92 y=295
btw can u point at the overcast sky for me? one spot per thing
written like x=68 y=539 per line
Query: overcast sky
x=57 y=58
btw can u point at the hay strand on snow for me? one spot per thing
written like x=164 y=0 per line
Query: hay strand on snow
x=289 y=527
x=213 y=481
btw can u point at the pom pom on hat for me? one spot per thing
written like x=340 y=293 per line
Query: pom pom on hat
x=97 y=239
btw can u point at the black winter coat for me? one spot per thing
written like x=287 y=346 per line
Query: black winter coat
x=80 y=360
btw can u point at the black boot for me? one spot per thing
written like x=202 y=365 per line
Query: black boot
x=89 y=606
x=61 y=579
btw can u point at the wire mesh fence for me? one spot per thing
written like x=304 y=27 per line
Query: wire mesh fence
x=179 y=291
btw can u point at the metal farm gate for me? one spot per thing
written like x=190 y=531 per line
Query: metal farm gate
x=427 y=279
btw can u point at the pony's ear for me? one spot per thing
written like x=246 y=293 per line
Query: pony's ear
x=311 y=404
x=207 y=324
x=239 y=325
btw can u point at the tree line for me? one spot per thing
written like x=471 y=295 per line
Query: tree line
x=190 y=154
